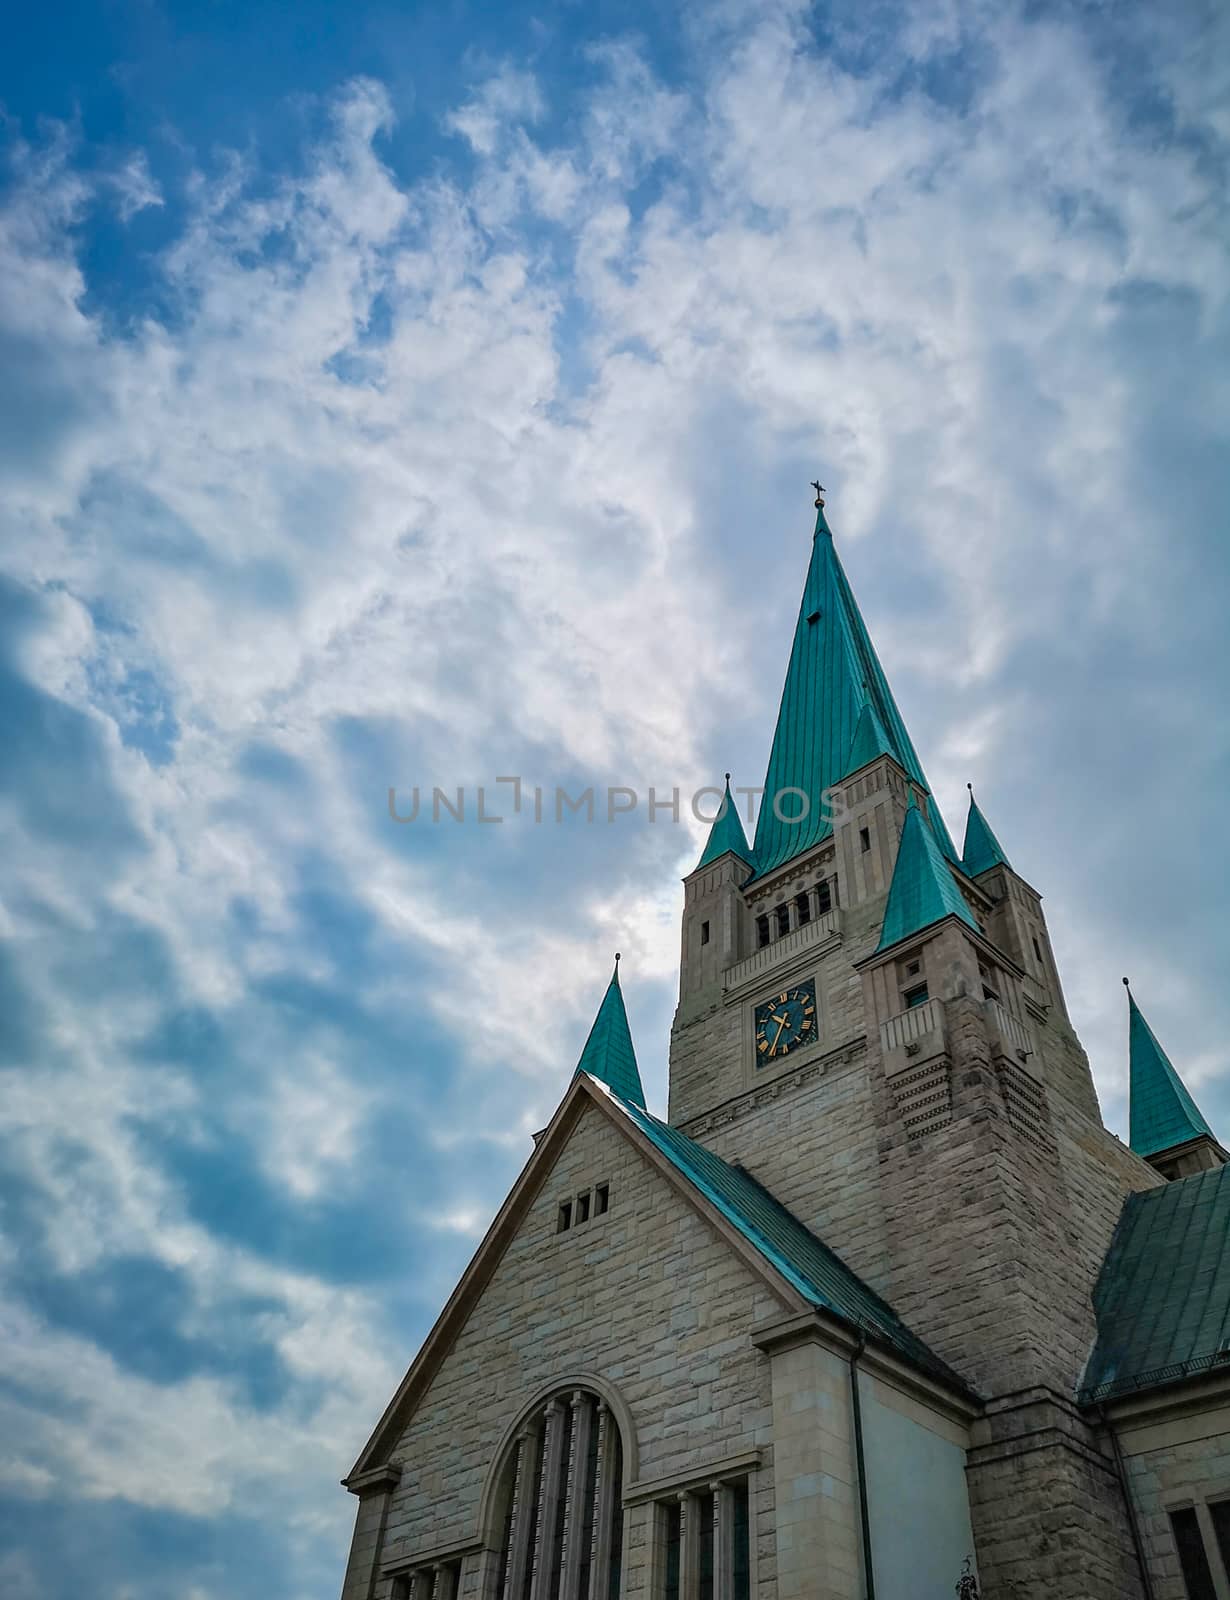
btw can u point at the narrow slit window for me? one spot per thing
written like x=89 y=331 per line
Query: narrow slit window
x=564 y=1221
x=704 y=933
x=864 y=839
x=803 y=907
x=602 y=1199
x=762 y=932
x=1037 y=948
x=583 y=1207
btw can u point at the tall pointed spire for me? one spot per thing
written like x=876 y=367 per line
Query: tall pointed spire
x=923 y=891
x=1163 y=1114
x=608 y=1054
x=833 y=672
x=981 y=849
x=726 y=834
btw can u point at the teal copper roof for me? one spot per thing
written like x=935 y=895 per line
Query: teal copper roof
x=833 y=671
x=923 y=891
x=608 y=1054
x=726 y=834
x=1163 y=1114
x=805 y=1261
x=1162 y=1301
x=981 y=849
x=870 y=740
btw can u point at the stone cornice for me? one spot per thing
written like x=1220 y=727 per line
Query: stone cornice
x=842 y=1339
x=372 y=1479
x=698 y=1476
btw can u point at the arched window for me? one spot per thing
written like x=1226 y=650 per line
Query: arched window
x=560 y=1491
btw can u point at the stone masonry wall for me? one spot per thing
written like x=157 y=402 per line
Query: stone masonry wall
x=646 y=1296
x=1183 y=1462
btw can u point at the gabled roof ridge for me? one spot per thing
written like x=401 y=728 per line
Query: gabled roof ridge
x=789 y=1246
x=631 y=1119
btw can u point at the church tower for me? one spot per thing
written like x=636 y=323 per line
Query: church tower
x=880 y=1310
x=881 y=1039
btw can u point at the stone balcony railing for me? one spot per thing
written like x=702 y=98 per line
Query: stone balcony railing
x=913 y=1036
x=1010 y=1035
x=819 y=931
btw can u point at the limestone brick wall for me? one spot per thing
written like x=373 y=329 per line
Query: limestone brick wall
x=646 y=1296
x=1183 y=1461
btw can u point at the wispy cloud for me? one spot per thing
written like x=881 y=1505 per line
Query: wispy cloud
x=495 y=464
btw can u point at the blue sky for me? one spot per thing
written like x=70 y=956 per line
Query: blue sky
x=398 y=397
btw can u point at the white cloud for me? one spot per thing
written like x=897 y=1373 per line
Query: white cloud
x=355 y=480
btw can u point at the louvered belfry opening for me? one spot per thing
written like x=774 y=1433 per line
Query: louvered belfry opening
x=562 y=1489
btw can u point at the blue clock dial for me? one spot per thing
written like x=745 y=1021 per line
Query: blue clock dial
x=786 y=1022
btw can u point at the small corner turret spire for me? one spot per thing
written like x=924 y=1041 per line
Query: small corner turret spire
x=981 y=850
x=1165 y=1124
x=608 y=1054
x=726 y=834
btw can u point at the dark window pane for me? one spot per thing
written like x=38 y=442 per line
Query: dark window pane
x=702 y=1510
x=704 y=933
x=671 y=1588
x=824 y=896
x=783 y=919
x=742 y=1572
x=803 y=905
x=762 y=931
x=1192 y=1559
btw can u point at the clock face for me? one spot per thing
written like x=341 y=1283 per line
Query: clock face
x=786 y=1022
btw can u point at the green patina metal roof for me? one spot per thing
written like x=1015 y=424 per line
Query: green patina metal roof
x=981 y=849
x=870 y=740
x=805 y=1261
x=726 y=834
x=923 y=891
x=608 y=1054
x=1163 y=1114
x=1162 y=1301
x=833 y=672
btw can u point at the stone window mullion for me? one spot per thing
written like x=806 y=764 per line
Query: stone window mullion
x=1212 y=1549
x=723 y=1541
x=548 y=1503
x=574 y=1496
x=689 y=1548
x=523 y=1515
x=604 y=1508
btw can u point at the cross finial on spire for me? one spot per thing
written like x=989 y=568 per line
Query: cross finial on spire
x=819 y=488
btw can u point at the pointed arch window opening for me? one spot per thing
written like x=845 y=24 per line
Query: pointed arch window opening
x=562 y=1487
